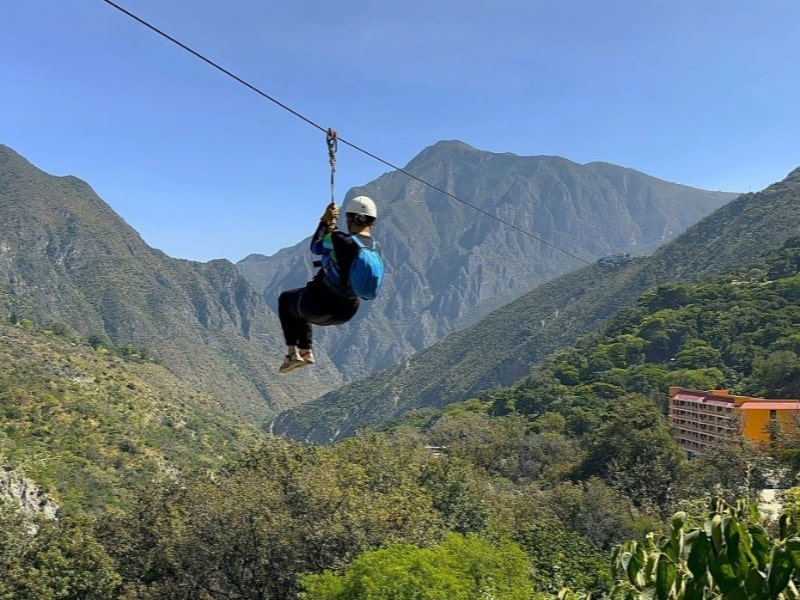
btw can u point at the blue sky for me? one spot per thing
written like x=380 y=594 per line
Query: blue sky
x=700 y=92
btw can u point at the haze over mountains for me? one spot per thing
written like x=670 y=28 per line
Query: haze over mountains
x=66 y=258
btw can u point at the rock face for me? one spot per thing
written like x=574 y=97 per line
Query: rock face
x=450 y=264
x=19 y=491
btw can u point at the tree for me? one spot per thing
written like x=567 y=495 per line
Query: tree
x=457 y=494
x=778 y=375
x=635 y=452
x=561 y=557
x=728 y=470
x=282 y=510
x=593 y=509
x=488 y=443
x=697 y=379
x=61 y=561
x=698 y=355
x=461 y=568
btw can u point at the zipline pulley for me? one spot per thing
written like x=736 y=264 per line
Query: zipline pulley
x=332 y=141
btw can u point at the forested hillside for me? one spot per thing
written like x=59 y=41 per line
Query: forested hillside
x=736 y=332
x=95 y=424
x=529 y=489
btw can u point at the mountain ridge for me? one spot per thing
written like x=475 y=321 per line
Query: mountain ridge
x=548 y=318
x=449 y=266
x=67 y=257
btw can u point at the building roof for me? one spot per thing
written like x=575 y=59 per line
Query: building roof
x=695 y=397
x=772 y=405
x=719 y=402
x=705 y=399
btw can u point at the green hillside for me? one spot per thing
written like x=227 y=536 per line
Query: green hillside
x=739 y=332
x=92 y=425
x=531 y=486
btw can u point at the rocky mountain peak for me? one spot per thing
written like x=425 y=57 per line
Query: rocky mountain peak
x=450 y=263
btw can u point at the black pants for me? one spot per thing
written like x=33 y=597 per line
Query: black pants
x=314 y=304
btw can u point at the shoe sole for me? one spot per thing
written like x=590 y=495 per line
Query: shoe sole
x=293 y=366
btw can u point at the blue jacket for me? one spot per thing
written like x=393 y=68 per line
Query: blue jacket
x=337 y=251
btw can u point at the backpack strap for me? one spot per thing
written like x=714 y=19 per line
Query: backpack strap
x=358 y=244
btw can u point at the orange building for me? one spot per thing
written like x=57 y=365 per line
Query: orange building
x=699 y=419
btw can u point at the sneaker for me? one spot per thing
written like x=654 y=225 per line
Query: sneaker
x=307 y=356
x=291 y=362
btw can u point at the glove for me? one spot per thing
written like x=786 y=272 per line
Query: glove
x=331 y=215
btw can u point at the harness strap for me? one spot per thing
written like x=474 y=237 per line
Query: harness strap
x=336 y=289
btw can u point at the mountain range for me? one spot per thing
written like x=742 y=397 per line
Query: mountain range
x=134 y=398
x=505 y=345
x=68 y=261
x=450 y=263
x=67 y=258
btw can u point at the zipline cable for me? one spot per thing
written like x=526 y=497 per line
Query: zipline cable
x=325 y=130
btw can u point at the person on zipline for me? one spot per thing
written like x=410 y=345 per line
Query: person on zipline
x=351 y=270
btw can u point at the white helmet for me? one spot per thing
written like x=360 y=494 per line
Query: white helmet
x=362 y=205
